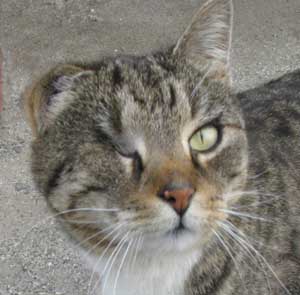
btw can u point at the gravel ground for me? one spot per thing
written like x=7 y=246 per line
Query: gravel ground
x=35 y=257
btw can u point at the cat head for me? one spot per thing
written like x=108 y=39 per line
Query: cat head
x=149 y=146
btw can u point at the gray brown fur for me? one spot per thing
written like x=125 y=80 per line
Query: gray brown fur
x=272 y=114
x=91 y=119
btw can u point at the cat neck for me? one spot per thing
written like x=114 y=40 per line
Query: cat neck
x=163 y=274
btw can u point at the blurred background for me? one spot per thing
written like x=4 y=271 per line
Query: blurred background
x=35 y=257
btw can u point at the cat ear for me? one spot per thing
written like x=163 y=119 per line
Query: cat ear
x=207 y=40
x=45 y=99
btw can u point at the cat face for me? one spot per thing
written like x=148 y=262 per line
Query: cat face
x=149 y=147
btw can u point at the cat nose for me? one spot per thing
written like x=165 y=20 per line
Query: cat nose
x=177 y=196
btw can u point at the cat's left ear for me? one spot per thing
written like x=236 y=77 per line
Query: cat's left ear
x=47 y=97
x=206 y=42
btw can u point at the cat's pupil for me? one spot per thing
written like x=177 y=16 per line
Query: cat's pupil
x=201 y=137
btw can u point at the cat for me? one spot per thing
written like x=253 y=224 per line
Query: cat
x=170 y=182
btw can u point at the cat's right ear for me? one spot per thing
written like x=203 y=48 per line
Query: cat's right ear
x=206 y=42
x=47 y=97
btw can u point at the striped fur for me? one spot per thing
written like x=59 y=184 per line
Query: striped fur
x=111 y=136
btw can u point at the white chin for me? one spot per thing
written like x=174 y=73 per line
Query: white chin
x=174 y=241
x=182 y=241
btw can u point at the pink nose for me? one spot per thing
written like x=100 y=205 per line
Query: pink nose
x=177 y=197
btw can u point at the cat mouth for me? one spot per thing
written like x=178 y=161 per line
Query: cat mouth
x=179 y=229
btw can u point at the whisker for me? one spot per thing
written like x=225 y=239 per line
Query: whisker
x=239 y=193
x=118 y=226
x=139 y=241
x=88 y=209
x=97 y=234
x=112 y=259
x=99 y=260
x=252 y=194
x=248 y=244
x=248 y=238
x=258 y=175
x=79 y=221
x=254 y=204
x=245 y=250
x=134 y=246
x=53 y=217
x=119 y=270
x=243 y=214
x=223 y=243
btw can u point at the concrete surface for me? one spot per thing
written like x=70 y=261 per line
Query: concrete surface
x=35 y=257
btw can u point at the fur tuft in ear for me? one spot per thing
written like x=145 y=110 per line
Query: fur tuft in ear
x=47 y=97
x=207 y=40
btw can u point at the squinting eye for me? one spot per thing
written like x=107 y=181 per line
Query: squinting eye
x=204 y=139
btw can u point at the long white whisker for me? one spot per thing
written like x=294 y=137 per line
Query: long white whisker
x=121 y=265
x=261 y=256
x=134 y=246
x=137 y=250
x=239 y=193
x=253 y=194
x=89 y=210
x=255 y=204
x=52 y=217
x=245 y=249
x=259 y=200
x=79 y=221
x=112 y=259
x=118 y=226
x=96 y=234
x=100 y=258
x=242 y=214
x=256 y=176
x=248 y=238
x=222 y=241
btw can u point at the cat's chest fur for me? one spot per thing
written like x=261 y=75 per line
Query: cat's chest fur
x=163 y=275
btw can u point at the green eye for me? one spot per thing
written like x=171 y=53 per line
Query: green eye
x=204 y=139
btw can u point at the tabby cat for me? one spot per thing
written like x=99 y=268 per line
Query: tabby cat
x=170 y=182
